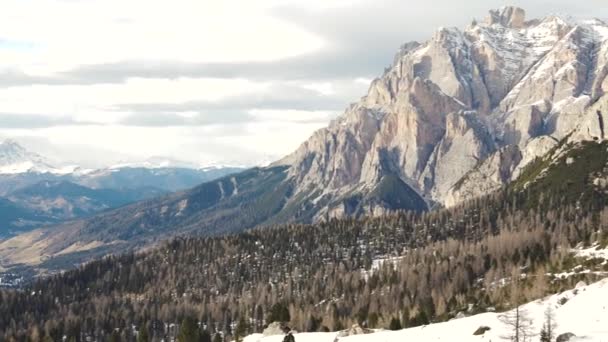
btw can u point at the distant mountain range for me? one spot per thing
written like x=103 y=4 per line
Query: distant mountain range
x=459 y=116
x=20 y=168
x=35 y=193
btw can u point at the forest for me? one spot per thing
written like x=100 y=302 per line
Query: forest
x=391 y=272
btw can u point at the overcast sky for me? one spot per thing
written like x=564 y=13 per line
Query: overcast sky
x=224 y=81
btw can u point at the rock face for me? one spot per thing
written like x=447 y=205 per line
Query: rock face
x=461 y=114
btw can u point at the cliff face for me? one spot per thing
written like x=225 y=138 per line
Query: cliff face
x=461 y=114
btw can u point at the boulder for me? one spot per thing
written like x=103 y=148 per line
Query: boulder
x=565 y=337
x=356 y=329
x=460 y=315
x=481 y=330
x=274 y=328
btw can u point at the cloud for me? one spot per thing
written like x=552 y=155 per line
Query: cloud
x=12 y=78
x=210 y=80
x=155 y=117
x=361 y=40
x=32 y=121
x=285 y=96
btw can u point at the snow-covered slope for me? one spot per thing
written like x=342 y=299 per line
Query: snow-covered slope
x=16 y=159
x=582 y=311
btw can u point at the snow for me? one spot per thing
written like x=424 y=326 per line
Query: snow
x=377 y=264
x=599 y=27
x=592 y=253
x=519 y=49
x=154 y=163
x=585 y=313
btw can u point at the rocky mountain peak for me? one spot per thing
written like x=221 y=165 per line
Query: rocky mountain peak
x=508 y=16
x=462 y=105
x=14 y=158
x=11 y=146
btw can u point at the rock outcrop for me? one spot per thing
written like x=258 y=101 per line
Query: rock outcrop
x=461 y=114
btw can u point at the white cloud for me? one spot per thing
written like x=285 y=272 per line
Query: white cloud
x=202 y=80
x=63 y=34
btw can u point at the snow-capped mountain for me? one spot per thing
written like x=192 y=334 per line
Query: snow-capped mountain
x=459 y=115
x=16 y=159
x=21 y=168
x=155 y=162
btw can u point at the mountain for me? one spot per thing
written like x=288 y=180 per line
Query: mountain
x=454 y=118
x=63 y=200
x=424 y=271
x=17 y=218
x=35 y=193
x=51 y=202
x=16 y=159
x=20 y=168
x=166 y=178
x=463 y=113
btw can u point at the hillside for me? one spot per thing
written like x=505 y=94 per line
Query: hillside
x=582 y=311
x=16 y=218
x=64 y=200
x=409 y=268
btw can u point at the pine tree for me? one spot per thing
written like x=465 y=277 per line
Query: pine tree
x=188 y=331
x=544 y=336
x=549 y=325
x=395 y=324
x=205 y=336
x=242 y=328
x=278 y=313
x=142 y=336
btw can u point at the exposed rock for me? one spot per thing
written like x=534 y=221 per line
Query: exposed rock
x=462 y=114
x=509 y=16
x=356 y=329
x=565 y=337
x=274 y=328
x=535 y=148
x=489 y=175
x=481 y=330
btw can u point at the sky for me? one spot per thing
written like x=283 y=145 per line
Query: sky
x=98 y=82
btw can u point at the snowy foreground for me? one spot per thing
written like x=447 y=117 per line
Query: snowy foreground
x=585 y=314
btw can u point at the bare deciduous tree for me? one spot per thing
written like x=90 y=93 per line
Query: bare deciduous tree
x=520 y=325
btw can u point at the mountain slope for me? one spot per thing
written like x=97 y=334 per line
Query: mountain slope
x=229 y=204
x=63 y=200
x=410 y=268
x=166 y=178
x=16 y=218
x=21 y=168
x=589 y=301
